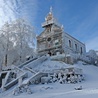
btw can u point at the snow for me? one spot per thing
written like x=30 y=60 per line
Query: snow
x=49 y=65
x=57 y=90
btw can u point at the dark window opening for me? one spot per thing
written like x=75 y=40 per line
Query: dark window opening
x=81 y=50
x=49 y=53
x=76 y=46
x=69 y=43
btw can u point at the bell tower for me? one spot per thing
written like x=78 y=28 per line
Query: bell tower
x=50 y=40
x=49 y=21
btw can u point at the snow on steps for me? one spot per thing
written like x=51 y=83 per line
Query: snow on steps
x=32 y=71
x=34 y=61
x=34 y=79
x=37 y=61
x=25 y=63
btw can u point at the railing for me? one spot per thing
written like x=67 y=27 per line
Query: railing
x=25 y=63
x=6 y=77
x=34 y=78
x=32 y=71
x=47 y=22
x=37 y=62
x=12 y=83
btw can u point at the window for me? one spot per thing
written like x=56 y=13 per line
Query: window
x=76 y=46
x=81 y=50
x=69 y=43
x=56 y=42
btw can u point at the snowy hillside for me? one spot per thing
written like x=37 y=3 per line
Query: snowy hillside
x=57 y=90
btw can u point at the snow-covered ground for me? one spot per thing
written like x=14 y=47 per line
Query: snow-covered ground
x=57 y=90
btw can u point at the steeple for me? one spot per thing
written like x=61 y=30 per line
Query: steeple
x=49 y=16
x=49 y=19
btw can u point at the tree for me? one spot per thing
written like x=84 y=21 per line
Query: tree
x=92 y=56
x=24 y=37
x=5 y=42
x=17 y=37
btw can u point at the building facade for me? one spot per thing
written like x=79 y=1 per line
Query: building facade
x=54 y=40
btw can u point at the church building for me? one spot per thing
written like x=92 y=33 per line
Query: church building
x=53 y=40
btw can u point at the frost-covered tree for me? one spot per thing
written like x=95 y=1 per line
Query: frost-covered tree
x=6 y=43
x=16 y=41
x=24 y=38
x=92 y=56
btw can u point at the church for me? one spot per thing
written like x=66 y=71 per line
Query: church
x=53 y=40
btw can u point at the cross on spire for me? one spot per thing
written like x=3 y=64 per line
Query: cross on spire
x=51 y=9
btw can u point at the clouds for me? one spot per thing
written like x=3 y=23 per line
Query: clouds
x=88 y=24
x=87 y=31
x=12 y=9
x=5 y=13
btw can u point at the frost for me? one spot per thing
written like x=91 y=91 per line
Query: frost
x=16 y=42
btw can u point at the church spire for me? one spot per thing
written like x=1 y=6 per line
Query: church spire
x=50 y=15
x=49 y=19
x=51 y=9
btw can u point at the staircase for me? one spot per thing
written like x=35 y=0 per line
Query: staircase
x=25 y=70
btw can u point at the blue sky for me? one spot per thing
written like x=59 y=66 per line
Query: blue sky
x=79 y=17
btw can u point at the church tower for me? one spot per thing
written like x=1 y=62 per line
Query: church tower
x=50 y=40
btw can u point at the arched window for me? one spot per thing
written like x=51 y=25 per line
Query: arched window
x=69 y=43
x=76 y=46
x=81 y=50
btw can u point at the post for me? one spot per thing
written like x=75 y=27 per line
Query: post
x=19 y=81
x=3 y=84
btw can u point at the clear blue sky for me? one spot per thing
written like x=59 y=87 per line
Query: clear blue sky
x=79 y=17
